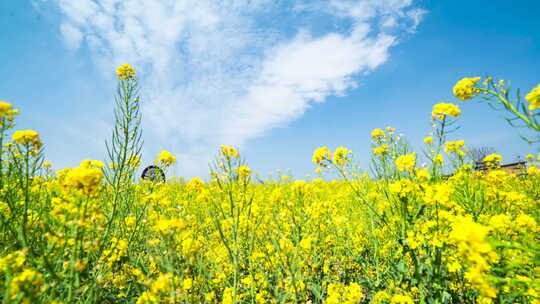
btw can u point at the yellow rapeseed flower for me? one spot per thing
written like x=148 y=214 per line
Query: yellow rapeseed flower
x=401 y=299
x=130 y=221
x=441 y=110
x=464 y=89
x=27 y=137
x=390 y=130
x=493 y=159
x=340 y=155
x=455 y=147
x=85 y=179
x=320 y=155
x=422 y=173
x=428 y=140
x=377 y=133
x=5 y=107
x=380 y=150
x=342 y=294
x=243 y=171
x=165 y=158
x=88 y=163
x=125 y=72
x=7 y=113
x=195 y=184
x=229 y=152
x=406 y=162
x=534 y=98
x=26 y=285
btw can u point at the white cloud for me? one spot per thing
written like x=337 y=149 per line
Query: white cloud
x=222 y=72
x=72 y=35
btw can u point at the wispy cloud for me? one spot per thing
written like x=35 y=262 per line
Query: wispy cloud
x=222 y=72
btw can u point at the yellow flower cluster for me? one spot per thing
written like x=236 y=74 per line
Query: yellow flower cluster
x=380 y=150
x=493 y=159
x=455 y=147
x=320 y=155
x=534 y=98
x=195 y=184
x=401 y=299
x=7 y=113
x=442 y=110
x=377 y=133
x=86 y=179
x=464 y=89
x=341 y=155
x=26 y=286
x=27 y=138
x=406 y=162
x=403 y=187
x=125 y=72
x=470 y=239
x=169 y=225
x=165 y=158
x=229 y=152
x=343 y=294
x=243 y=171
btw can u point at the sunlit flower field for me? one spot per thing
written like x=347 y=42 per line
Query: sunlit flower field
x=415 y=227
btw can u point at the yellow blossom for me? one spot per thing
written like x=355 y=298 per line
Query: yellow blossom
x=125 y=72
x=7 y=113
x=380 y=150
x=492 y=159
x=243 y=171
x=130 y=221
x=84 y=179
x=378 y=133
x=464 y=89
x=534 y=98
x=28 y=137
x=340 y=156
x=27 y=284
x=320 y=155
x=229 y=152
x=422 y=173
x=401 y=299
x=442 y=110
x=455 y=147
x=88 y=163
x=187 y=283
x=428 y=140
x=343 y=294
x=165 y=158
x=195 y=184
x=4 y=108
x=406 y=162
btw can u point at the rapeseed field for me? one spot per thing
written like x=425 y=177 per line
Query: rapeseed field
x=399 y=233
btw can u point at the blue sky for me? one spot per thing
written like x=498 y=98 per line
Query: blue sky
x=276 y=78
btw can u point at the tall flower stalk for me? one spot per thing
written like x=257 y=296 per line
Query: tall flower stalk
x=124 y=149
